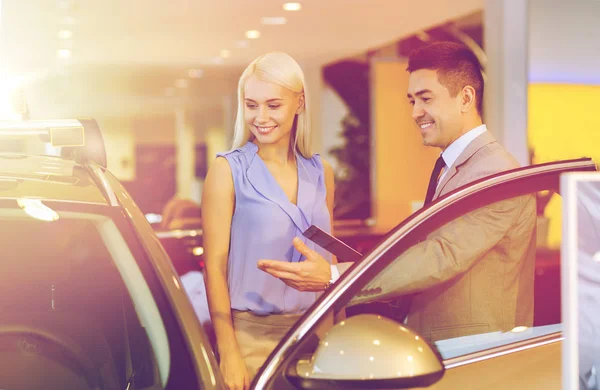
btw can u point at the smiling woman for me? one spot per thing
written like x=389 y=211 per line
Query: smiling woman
x=257 y=198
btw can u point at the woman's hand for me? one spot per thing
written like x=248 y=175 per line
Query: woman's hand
x=312 y=274
x=234 y=371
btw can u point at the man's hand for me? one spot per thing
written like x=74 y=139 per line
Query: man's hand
x=312 y=274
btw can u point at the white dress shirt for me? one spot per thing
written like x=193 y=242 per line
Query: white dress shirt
x=457 y=147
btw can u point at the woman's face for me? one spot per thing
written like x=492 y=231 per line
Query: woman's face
x=270 y=110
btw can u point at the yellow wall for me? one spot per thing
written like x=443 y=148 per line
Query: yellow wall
x=563 y=124
x=401 y=163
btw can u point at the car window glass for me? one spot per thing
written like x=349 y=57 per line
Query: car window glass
x=360 y=289
x=153 y=260
x=142 y=226
x=484 y=278
x=68 y=308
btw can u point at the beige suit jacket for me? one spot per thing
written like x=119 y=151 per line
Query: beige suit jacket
x=475 y=274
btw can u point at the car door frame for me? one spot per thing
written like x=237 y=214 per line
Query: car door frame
x=348 y=285
x=203 y=360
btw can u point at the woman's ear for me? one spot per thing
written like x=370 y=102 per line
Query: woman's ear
x=300 y=104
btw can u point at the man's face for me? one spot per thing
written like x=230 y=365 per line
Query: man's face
x=438 y=114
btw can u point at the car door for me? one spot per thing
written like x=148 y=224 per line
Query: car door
x=197 y=352
x=526 y=356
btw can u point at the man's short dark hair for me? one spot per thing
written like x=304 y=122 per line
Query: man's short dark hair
x=456 y=65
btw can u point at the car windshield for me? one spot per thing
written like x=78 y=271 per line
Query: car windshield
x=76 y=310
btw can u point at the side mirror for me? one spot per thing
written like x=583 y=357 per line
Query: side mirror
x=368 y=351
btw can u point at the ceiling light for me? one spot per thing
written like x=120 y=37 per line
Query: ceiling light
x=181 y=83
x=63 y=53
x=195 y=73
x=217 y=60
x=252 y=34
x=225 y=53
x=292 y=6
x=65 y=34
x=273 y=20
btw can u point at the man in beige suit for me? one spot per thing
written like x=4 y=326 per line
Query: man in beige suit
x=474 y=274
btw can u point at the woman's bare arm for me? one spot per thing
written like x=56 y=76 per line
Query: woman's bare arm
x=218 y=200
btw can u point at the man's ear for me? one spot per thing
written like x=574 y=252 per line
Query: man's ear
x=468 y=99
x=300 y=104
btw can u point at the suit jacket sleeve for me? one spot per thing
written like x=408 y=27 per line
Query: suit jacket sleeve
x=449 y=251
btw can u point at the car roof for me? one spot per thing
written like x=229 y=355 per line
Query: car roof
x=47 y=178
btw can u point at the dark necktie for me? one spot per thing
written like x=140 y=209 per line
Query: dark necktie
x=437 y=169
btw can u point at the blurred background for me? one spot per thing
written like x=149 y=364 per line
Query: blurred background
x=160 y=77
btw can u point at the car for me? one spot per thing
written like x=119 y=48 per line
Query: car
x=371 y=349
x=90 y=298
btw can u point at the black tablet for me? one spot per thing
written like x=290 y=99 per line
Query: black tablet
x=331 y=244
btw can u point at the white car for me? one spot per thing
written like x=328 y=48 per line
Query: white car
x=89 y=298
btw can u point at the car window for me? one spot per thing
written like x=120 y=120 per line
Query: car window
x=361 y=289
x=76 y=310
x=193 y=363
x=474 y=281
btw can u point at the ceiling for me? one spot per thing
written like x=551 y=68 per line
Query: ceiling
x=193 y=32
x=140 y=47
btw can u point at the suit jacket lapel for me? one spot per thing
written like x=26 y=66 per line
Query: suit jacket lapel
x=478 y=143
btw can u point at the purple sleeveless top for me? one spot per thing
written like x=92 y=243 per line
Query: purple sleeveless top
x=263 y=226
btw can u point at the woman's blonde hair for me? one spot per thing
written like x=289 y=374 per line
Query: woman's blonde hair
x=281 y=69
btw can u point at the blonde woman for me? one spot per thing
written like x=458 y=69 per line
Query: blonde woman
x=267 y=190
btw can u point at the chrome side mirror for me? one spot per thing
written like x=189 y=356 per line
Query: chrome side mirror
x=369 y=351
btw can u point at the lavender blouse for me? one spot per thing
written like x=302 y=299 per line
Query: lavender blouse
x=263 y=226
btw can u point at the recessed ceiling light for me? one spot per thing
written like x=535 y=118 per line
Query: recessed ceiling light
x=273 y=20
x=252 y=34
x=217 y=60
x=225 y=53
x=292 y=6
x=195 y=73
x=65 y=34
x=181 y=83
x=241 y=44
x=63 y=53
